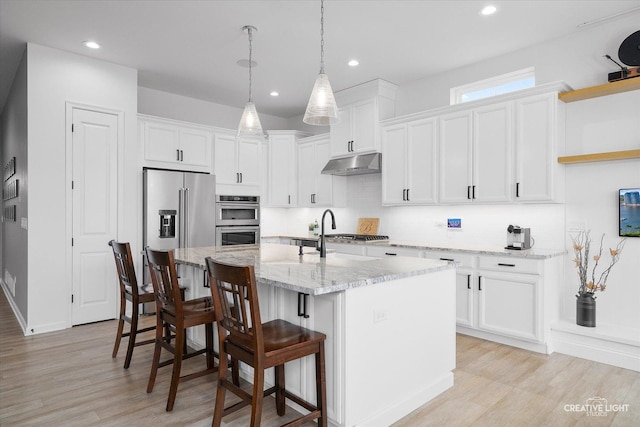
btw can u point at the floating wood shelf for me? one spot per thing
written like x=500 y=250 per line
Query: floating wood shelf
x=599 y=157
x=601 y=90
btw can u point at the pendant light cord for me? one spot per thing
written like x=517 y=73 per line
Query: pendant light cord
x=321 y=36
x=250 y=58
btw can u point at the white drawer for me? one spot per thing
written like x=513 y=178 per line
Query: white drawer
x=510 y=264
x=382 y=251
x=465 y=260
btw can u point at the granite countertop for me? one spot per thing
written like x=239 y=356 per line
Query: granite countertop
x=280 y=265
x=533 y=253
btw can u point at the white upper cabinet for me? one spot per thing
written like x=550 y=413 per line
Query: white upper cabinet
x=360 y=110
x=492 y=153
x=237 y=164
x=409 y=162
x=356 y=131
x=475 y=155
x=456 y=151
x=175 y=145
x=539 y=136
x=315 y=188
x=282 y=168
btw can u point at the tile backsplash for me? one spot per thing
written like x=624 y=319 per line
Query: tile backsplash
x=481 y=224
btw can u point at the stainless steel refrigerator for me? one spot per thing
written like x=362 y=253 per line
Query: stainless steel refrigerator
x=178 y=211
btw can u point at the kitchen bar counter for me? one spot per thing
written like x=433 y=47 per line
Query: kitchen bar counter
x=533 y=253
x=362 y=304
x=281 y=266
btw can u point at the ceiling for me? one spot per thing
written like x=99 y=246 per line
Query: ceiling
x=191 y=48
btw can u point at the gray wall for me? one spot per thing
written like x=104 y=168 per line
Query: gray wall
x=14 y=144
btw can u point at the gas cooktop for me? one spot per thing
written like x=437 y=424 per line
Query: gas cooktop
x=363 y=237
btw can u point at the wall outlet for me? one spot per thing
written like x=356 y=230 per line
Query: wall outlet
x=380 y=316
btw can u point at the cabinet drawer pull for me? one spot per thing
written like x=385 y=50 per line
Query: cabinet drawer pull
x=404 y=194
x=469 y=192
x=473 y=191
x=447 y=259
x=390 y=254
x=506 y=265
x=468 y=281
x=240 y=177
x=408 y=195
x=302 y=305
x=178 y=155
x=479 y=283
x=289 y=202
x=517 y=189
x=181 y=156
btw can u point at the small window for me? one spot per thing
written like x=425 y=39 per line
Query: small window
x=498 y=85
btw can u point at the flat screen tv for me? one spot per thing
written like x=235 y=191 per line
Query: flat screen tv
x=629 y=212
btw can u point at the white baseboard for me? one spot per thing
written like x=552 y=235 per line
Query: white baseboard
x=514 y=342
x=604 y=344
x=14 y=307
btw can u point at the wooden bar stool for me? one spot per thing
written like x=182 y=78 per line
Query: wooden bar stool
x=244 y=337
x=135 y=294
x=172 y=311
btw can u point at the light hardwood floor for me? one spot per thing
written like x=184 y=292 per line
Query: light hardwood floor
x=68 y=378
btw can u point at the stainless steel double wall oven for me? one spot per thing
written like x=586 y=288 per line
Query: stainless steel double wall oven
x=237 y=220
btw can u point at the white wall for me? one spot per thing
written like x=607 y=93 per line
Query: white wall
x=576 y=60
x=609 y=123
x=13 y=255
x=55 y=78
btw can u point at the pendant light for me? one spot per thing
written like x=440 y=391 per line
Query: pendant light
x=250 y=122
x=321 y=109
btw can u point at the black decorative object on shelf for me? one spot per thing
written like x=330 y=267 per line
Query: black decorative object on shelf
x=586 y=310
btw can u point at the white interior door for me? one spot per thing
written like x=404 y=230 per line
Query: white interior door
x=94 y=146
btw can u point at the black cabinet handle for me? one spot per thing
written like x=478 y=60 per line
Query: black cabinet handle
x=469 y=192
x=408 y=195
x=240 y=177
x=289 y=201
x=479 y=283
x=473 y=191
x=468 y=281
x=447 y=259
x=181 y=156
x=390 y=254
x=404 y=194
x=178 y=155
x=302 y=305
x=517 y=189
x=506 y=265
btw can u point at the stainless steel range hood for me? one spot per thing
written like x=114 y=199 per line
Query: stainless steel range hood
x=357 y=164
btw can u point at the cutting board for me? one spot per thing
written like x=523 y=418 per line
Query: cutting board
x=368 y=226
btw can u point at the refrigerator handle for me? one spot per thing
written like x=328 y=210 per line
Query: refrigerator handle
x=180 y=217
x=185 y=240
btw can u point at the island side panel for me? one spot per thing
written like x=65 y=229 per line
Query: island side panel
x=400 y=346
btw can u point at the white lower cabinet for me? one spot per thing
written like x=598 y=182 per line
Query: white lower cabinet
x=507 y=299
x=508 y=304
x=321 y=313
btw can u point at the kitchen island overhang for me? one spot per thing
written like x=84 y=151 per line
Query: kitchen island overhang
x=390 y=324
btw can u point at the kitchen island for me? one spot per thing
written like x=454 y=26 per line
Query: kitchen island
x=390 y=324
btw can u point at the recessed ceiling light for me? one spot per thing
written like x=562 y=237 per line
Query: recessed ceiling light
x=274 y=93
x=91 y=45
x=488 y=10
x=353 y=63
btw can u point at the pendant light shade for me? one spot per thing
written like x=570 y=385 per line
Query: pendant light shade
x=321 y=109
x=250 y=122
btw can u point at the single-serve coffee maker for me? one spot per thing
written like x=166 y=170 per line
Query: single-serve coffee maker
x=518 y=238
